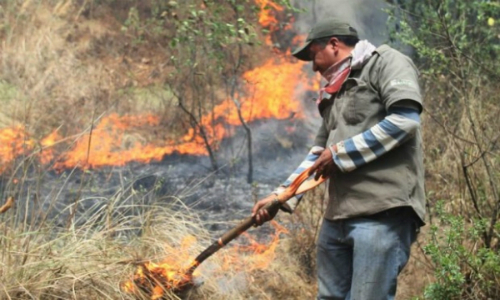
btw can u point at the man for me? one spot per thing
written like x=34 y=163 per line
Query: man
x=369 y=146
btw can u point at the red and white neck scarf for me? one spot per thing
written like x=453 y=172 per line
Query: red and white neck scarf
x=338 y=73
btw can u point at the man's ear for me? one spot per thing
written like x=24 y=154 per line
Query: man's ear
x=334 y=42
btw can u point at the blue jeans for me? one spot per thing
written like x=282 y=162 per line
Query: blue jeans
x=360 y=258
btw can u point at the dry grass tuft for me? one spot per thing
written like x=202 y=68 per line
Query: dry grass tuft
x=88 y=261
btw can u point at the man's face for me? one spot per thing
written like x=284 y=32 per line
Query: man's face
x=323 y=57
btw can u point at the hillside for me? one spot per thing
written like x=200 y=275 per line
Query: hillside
x=134 y=133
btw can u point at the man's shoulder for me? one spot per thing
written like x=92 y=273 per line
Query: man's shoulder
x=389 y=54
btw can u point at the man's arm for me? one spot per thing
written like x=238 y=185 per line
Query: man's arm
x=398 y=126
x=401 y=123
x=396 y=80
x=292 y=203
x=261 y=215
x=312 y=156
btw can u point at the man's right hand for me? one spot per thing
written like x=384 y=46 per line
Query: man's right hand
x=260 y=213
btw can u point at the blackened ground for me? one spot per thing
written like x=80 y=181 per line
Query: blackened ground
x=216 y=197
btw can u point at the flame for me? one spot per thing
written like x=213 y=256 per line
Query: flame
x=260 y=255
x=14 y=142
x=270 y=92
x=106 y=145
x=267 y=13
x=272 y=88
x=168 y=275
x=47 y=143
x=157 y=279
x=171 y=276
x=11 y=143
x=263 y=255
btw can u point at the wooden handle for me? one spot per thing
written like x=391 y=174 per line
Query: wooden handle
x=245 y=225
x=299 y=185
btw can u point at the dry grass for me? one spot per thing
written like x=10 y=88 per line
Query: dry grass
x=91 y=260
x=48 y=262
x=59 y=69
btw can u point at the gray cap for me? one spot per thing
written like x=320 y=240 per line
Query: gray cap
x=324 y=28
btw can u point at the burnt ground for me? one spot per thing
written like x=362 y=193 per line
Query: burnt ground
x=177 y=180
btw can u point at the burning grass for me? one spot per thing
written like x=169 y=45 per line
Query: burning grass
x=157 y=281
x=96 y=260
x=49 y=65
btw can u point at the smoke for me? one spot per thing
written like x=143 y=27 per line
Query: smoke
x=367 y=16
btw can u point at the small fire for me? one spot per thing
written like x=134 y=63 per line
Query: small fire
x=47 y=152
x=261 y=255
x=168 y=276
x=156 y=280
x=172 y=275
x=14 y=142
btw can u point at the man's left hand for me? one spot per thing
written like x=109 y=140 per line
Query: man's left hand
x=324 y=165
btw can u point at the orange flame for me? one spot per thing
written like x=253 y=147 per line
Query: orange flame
x=261 y=255
x=169 y=275
x=270 y=92
x=14 y=142
x=47 y=143
x=267 y=16
x=272 y=88
x=157 y=280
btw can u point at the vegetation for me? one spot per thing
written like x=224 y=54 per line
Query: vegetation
x=456 y=43
x=67 y=64
x=94 y=259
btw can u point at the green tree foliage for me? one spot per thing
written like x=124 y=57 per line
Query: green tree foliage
x=457 y=46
